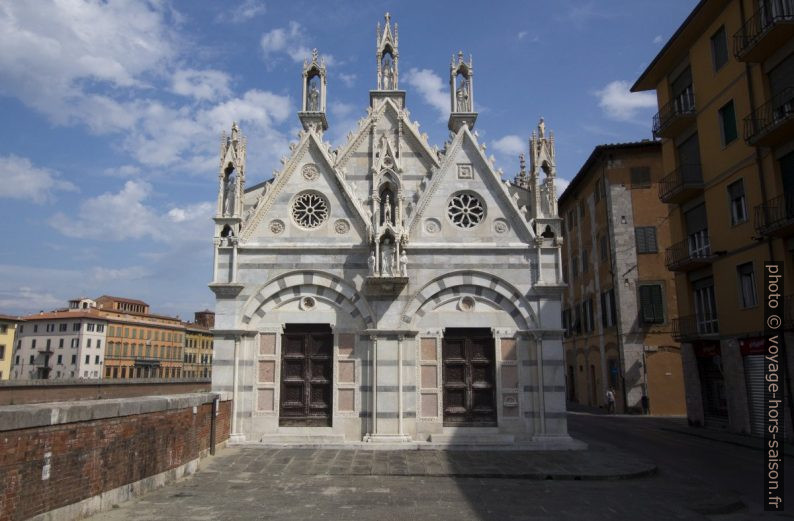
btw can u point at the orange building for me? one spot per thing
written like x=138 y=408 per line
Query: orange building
x=620 y=302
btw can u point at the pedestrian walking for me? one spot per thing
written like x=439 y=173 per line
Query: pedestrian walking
x=610 y=401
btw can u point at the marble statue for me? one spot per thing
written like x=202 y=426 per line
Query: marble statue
x=371 y=263
x=314 y=99
x=462 y=95
x=404 y=264
x=387 y=210
x=228 y=194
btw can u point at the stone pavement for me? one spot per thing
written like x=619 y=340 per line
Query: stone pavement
x=249 y=483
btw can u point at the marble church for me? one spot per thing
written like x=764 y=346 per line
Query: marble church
x=390 y=291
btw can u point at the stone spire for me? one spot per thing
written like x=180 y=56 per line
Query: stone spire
x=231 y=174
x=388 y=57
x=461 y=93
x=315 y=79
x=541 y=149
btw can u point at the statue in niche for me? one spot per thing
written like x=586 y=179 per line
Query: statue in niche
x=314 y=98
x=387 y=258
x=403 y=264
x=387 y=210
x=228 y=193
x=371 y=263
x=388 y=75
x=462 y=96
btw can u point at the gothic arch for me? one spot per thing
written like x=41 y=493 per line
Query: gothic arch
x=294 y=284
x=479 y=284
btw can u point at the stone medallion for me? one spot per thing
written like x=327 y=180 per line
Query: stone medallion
x=310 y=172
x=276 y=226
x=432 y=226
x=341 y=226
x=500 y=226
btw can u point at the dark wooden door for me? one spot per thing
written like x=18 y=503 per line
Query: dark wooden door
x=469 y=378
x=306 y=376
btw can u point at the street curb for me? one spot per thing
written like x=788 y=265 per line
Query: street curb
x=537 y=476
x=787 y=450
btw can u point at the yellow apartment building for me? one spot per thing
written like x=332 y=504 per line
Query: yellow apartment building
x=197 y=361
x=621 y=301
x=8 y=331
x=725 y=88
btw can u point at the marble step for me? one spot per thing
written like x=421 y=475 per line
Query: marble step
x=472 y=438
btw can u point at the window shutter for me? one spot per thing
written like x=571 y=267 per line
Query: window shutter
x=658 y=303
x=612 y=306
x=650 y=239
x=603 y=309
x=646 y=304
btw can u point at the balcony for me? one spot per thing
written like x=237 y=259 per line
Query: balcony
x=690 y=254
x=693 y=327
x=773 y=122
x=775 y=218
x=682 y=184
x=767 y=30
x=676 y=115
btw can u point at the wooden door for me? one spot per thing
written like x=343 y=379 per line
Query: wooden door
x=306 y=376
x=469 y=378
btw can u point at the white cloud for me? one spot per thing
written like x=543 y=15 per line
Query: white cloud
x=202 y=85
x=658 y=39
x=522 y=34
x=431 y=88
x=19 y=179
x=348 y=79
x=122 y=171
x=292 y=41
x=340 y=109
x=510 y=145
x=103 y=275
x=247 y=10
x=560 y=185
x=620 y=104
x=25 y=299
x=55 y=53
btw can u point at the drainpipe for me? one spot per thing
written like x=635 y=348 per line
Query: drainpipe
x=213 y=424
x=235 y=397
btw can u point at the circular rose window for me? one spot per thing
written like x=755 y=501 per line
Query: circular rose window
x=309 y=210
x=466 y=210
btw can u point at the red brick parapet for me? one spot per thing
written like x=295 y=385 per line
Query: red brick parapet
x=69 y=459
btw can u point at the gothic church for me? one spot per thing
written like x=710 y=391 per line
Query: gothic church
x=390 y=291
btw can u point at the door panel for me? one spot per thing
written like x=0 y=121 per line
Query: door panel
x=306 y=376
x=469 y=378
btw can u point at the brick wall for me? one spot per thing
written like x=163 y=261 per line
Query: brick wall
x=94 y=456
x=14 y=392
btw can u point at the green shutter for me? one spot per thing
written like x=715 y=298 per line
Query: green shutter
x=646 y=304
x=658 y=304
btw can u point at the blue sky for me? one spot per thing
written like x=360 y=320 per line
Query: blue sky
x=111 y=113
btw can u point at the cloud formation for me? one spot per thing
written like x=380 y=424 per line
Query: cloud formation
x=511 y=145
x=431 y=88
x=20 y=179
x=618 y=103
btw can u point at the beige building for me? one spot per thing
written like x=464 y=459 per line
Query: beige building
x=725 y=87
x=197 y=361
x=8 y=330
x=620 y=302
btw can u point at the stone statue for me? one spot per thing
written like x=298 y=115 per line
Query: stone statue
x=387 y=258
x=388 y=75
x=228 y=194
x=371 y=263
x=314 y=98
x=387 y=210
x=462 y=96
x=404 y=264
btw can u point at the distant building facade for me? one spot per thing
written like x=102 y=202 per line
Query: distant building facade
x=8 y=331
x=620 y=302
x=197 y=361
x=725 y=87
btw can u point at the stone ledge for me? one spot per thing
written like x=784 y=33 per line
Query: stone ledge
x=28 y=416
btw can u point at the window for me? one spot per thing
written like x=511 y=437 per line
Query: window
x=651 y=304
x=585 y=261
x=602 y=248
x=76 y=326
x=21 y=329
x=60 y=343
x=727 y=116
x=2 y=352
x=719 y=49
x=74 y=342
x=575 y=267
x=88 y=359
x=63 y=326
x=33 y=344
x=640 y=177
x=32 y=358
x=100 y=328
x=49 y=343
x=60 y=359
x=608 y=312
x=35 y=328
x=96 y=359
x=588 y=315
x=74 y=359
x=16 y=360
x=99 y=344
x=646 y=239
x=738 y=202
x=88 y=343
x=577 y=322
x=126 y=332
x=134 y=333
x=111 y=331
x=747 y=295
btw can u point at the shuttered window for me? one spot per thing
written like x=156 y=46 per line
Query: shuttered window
x=646 y=239
x=719 y=48
x=640 y=177
x=738 y=202
x=651 y=304
x=727 y=117
x=747 y=294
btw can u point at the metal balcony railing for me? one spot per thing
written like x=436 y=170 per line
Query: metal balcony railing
x=681 y=183
x=691 y=327
x=770 y=16
x=680 y=107
x=776 y=116
x=691 y=253
x=775 y=216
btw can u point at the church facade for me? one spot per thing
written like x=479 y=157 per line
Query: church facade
x=389 y=291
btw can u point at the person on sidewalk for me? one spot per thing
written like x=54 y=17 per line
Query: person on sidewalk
x=610 y=401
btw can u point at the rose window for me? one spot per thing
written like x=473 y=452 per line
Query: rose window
x=465 y=210
x=310 y=210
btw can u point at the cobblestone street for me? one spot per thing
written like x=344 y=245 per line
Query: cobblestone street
x=252 y=483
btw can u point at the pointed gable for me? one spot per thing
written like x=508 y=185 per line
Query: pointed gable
x=467 y=201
